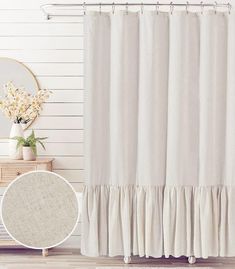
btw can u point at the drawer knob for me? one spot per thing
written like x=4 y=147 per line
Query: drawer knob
x=18 y=173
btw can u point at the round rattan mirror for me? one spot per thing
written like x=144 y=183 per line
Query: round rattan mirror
x=13 y=71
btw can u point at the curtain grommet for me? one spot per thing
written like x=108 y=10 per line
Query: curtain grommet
x=113 y=7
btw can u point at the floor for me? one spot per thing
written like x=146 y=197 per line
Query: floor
x=70 y=258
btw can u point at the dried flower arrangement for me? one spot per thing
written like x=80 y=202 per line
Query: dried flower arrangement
x=20 y=106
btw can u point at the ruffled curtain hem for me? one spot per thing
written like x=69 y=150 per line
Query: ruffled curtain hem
x=158 y=221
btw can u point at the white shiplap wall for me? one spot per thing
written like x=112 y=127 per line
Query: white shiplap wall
x=53 y=50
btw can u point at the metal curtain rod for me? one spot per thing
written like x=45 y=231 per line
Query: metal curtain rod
x=84 y=5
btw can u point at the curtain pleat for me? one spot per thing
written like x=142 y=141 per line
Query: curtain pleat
x=213 y=91
x=159 y=134
x=152 y=104
x=97 y=100
x=123 y=84
x=183 y=101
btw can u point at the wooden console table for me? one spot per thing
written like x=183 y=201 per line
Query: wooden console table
x=9 y=170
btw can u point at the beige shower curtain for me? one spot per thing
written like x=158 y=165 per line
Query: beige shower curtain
x=160 y=134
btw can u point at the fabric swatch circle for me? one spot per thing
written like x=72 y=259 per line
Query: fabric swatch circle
x=39 y=209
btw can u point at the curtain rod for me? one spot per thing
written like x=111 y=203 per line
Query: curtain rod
x=113 y=5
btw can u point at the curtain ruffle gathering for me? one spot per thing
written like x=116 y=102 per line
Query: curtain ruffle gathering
x=158 y=220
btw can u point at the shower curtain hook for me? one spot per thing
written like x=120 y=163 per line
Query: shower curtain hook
x=171 y=7
x=126 y=8
x=113 y=7
x=229 y=8
x=142 y=8
x=84 y=8
x=100 y=8
x=215 y=5
x=187 y=4
x=202 y=7
x=157 y=7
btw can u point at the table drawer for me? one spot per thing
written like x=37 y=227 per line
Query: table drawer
x=10 y=173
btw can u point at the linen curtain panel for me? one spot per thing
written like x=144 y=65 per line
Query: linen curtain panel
x=160 y=134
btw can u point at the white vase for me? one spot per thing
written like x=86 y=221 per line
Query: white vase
x=28 y=154
x=16 y=130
